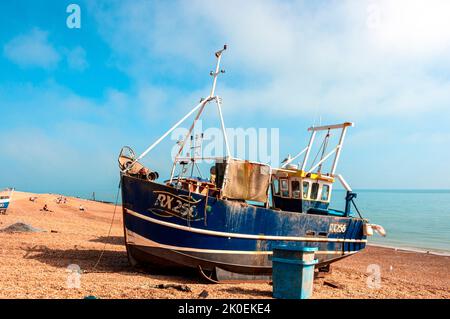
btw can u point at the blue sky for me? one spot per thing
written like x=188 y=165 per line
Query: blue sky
x=71 y=98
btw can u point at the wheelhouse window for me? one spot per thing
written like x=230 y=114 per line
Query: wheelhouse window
x=284 y=188
x=325 y=192
x=305 y=189
x=295 y=185
x=276 y=186
x=314 y=190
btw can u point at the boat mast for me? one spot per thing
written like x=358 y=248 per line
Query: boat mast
x=218 y=55
x=200 y=106
x=210 y=98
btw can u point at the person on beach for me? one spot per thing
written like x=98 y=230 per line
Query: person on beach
x=45 y=208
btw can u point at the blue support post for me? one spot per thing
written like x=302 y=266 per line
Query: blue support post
x=293 y=272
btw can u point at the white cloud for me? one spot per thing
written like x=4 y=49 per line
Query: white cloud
x=32 y=50
x=58 y=104
x=412 y=27
x=294 y=57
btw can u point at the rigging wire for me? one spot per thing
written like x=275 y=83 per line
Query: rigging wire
x=110 y=228
x=318 y=152
x=325 y=145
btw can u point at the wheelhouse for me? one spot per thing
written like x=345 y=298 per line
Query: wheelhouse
x=295 y=190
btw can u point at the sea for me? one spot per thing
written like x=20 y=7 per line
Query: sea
x=413 y=219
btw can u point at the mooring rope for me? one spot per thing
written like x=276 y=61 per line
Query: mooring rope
x=356 y=207
x=109 y=231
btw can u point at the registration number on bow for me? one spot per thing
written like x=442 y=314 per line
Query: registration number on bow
x=337 y=228
x=171 y=205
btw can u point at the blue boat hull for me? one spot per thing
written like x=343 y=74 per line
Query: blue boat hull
x=4 y=205
x=169 y=227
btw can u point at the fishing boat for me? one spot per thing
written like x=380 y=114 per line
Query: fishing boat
x=226 y=225
x=5 y=200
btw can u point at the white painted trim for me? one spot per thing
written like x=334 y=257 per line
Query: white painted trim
x=136 y=239
x=331 y=127
x=246 y=236
x=344 y=183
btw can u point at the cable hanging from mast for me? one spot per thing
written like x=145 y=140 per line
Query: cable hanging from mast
x=322 y=149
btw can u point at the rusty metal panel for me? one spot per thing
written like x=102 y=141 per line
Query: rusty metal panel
x=246 y=180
